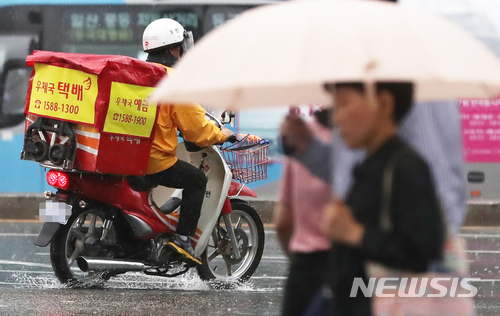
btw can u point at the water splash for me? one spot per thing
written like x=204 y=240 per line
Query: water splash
x=140 y=281
x=37 y=281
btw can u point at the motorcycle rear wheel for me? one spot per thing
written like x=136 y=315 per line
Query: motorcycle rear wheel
x=80 y=237
x=218 y=261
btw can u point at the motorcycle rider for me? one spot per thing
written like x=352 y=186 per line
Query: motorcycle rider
x=165 y=41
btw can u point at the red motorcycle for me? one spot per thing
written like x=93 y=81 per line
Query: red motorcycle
x=99 y=225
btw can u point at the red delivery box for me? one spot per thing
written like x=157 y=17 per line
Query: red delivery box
x=90 y=112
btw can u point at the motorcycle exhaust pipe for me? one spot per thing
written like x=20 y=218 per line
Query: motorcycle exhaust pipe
x=112 y=266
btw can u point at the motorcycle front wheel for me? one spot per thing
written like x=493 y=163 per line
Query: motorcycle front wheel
x=219 y=261
x=81 y=236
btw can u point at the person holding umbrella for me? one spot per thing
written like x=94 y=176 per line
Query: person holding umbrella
x=319 y=42
x=412 y=236
x=439 y=144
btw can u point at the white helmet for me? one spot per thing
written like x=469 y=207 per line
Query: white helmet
x=165 y=32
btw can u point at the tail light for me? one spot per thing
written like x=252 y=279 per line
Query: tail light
x=58 y=179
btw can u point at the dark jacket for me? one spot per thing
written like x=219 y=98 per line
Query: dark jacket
x=417 y=236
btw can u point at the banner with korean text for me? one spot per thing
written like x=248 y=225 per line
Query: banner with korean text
x=62 y=93
x=129 y=112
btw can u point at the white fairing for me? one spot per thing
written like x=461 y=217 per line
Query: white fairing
x=219 y=180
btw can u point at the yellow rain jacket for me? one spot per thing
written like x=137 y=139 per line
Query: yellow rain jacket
x=190 y=119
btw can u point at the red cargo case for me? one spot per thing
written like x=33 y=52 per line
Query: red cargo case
x=101 y=101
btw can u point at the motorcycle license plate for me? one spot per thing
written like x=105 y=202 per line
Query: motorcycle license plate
x=54 y=212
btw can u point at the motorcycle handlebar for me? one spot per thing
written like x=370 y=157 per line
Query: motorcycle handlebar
x=232 y=139
x=217 y=122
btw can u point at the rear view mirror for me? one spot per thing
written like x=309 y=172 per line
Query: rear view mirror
x=228 y=117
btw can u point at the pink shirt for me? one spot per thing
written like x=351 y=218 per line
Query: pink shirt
x=307 y=195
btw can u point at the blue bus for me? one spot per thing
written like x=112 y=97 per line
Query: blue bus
x=94 y=27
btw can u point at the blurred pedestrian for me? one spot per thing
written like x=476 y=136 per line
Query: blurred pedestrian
x=402 y=229
x=297 y=218
x=433 y=129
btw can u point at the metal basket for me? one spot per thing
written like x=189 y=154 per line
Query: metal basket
x=247 y=158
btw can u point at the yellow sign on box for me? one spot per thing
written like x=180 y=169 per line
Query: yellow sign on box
x=129 y=112
x=63 y=93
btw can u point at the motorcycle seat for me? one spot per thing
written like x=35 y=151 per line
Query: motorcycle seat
x=140 y=183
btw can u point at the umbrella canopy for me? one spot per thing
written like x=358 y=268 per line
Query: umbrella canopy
x=284 y=53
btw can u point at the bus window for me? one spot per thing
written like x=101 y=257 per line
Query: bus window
x=16 y=86
x=117 y=30
x=15 y=46
x=14 y=77
x=218 y=15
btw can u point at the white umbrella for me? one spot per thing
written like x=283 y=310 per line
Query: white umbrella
x=284 y=54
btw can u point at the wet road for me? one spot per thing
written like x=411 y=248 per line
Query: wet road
x=28 y=286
